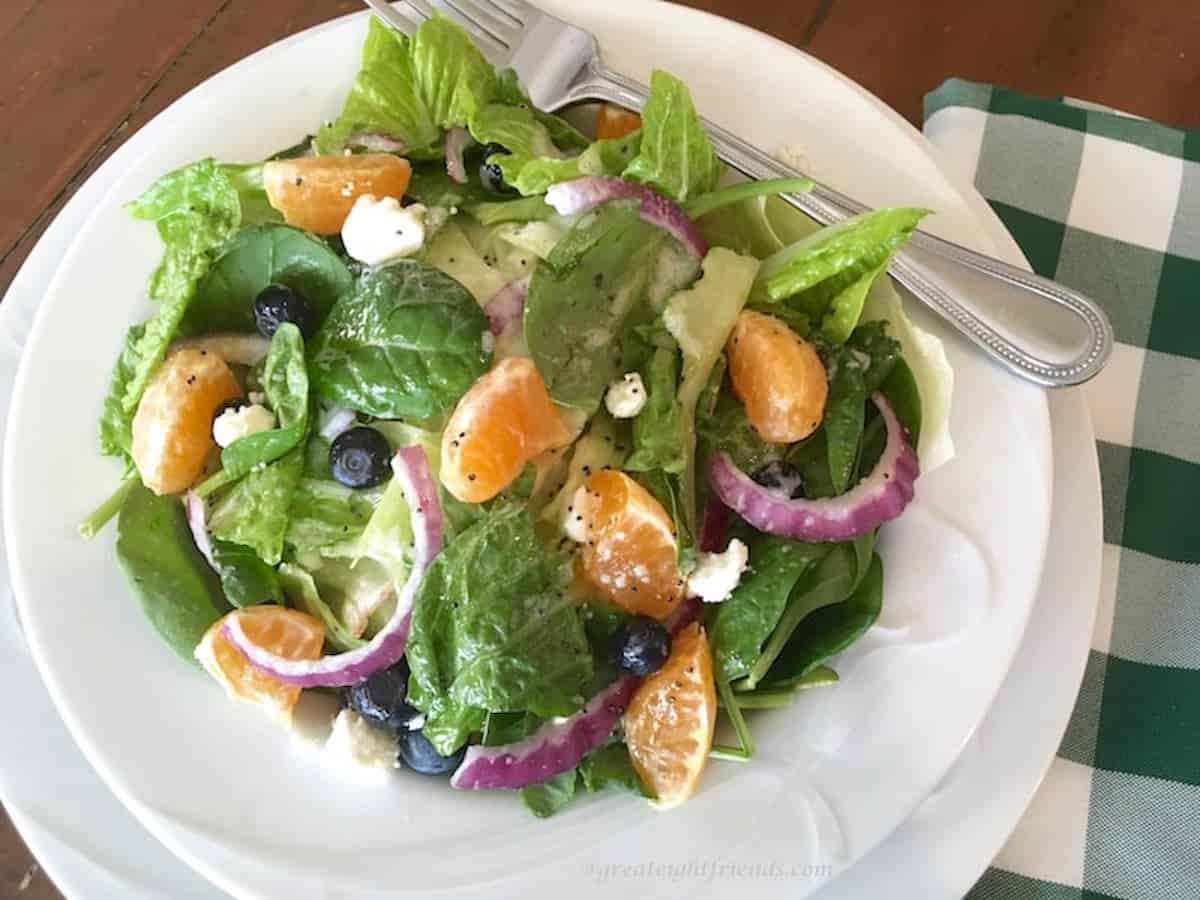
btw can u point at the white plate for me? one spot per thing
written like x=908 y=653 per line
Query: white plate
x=220 y=786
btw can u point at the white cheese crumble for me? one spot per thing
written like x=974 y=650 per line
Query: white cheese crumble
x=717 y=574
x=379 y=230
x=626 y=397
x=574 y=526
x=358 y=746
x=238 y=423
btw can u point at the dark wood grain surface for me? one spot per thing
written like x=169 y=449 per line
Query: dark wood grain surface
x=77 y=78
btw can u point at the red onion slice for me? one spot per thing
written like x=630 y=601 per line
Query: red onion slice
x=553 y=748
x=879 y=497
x=376 y=142
x=197 y=519
x=335 y=421
x=411 y=468
x=713 y=526
x=507 y=305
x=457 y=139
x=581 y=194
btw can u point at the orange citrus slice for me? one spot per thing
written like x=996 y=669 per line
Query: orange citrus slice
x=316 y=193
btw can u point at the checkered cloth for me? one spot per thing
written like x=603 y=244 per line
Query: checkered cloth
x=1110 y=204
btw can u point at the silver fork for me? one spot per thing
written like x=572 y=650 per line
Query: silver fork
x=1039 y=329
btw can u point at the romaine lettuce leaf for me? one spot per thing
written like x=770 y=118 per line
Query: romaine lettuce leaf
x=195 y=209
x=676 y=157
x=412 y=89
x=285 y=381
x=700 y=319
x=302 y=594
x=254 y=512
x=494 y=629
x=656 y=442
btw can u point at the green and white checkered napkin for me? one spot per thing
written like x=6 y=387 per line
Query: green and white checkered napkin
x=1110 y=204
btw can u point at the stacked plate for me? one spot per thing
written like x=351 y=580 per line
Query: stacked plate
x=952 y=706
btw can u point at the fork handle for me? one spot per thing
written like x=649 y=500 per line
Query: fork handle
x=1039 y=329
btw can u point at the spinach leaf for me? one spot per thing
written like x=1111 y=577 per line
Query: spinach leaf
x=611 y=765
x=676 y=157
x=245 y=579
x=741 y=625
x=302 y=594
x=830 y=581
x=774 y=696
x=255 y=258
x=195 y=209
x=900 y=387
x=547 y=798
x=493 y=629
x=410 y=89
x=656 y=443
x=408 y=342
x=508 y=727
x=172 y=581
x=432 y=185
x=580 y=297
x=254 y=512
x=285 y=380
x=845 y=412
x=830 y=630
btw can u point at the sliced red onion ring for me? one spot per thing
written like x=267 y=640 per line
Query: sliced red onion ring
x=376 y=142
x=582 y=194
x=553 y=748
x=457 y=139
x=335 y=421
x=411 y=468
x=880 y=496
x=713 y=526
x=197 y=519
x=506 y=305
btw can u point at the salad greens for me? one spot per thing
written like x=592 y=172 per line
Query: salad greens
x=408 y=341
x=509 y=637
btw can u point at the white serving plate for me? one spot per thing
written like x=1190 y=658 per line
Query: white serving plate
x=224 y=790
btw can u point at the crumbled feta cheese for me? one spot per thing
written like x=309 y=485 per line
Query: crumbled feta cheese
x=379 y=230
x=717 y=574
x=574 y=526
x=359 y=746
x=627 y=397
x=237 y=423
x=488 y=342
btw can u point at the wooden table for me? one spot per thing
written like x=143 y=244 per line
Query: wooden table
x=71 y=94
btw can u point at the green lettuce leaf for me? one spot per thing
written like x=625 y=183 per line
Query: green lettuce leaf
x=285 y=381
x=676 y=157
x=700 y=319
x=727 y=429
x=408 y=342
x=656 y=429
x=245 y=579
x=302 y=594
x=547 y=798
x=411 y=89
x=845 y=415
x=493 y=629
x=195 y=210
x=255 y=258
x=254 y=512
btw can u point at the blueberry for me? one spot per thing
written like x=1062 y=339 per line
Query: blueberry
x=381 y=698
x=360 y=458
x=234 y=403
x=418 y=754
x=490 y=173
x=641 y=646
x=782 y=477
x=278 y=303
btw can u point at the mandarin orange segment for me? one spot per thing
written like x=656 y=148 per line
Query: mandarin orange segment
x=778 y=376
x=670 y=720
x=630 y=554
x=172 y=428
x=616 y=121
x=316 y=192
x=286 y=632
x=505 y=420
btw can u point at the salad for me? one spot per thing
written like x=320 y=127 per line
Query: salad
x=540 y=451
